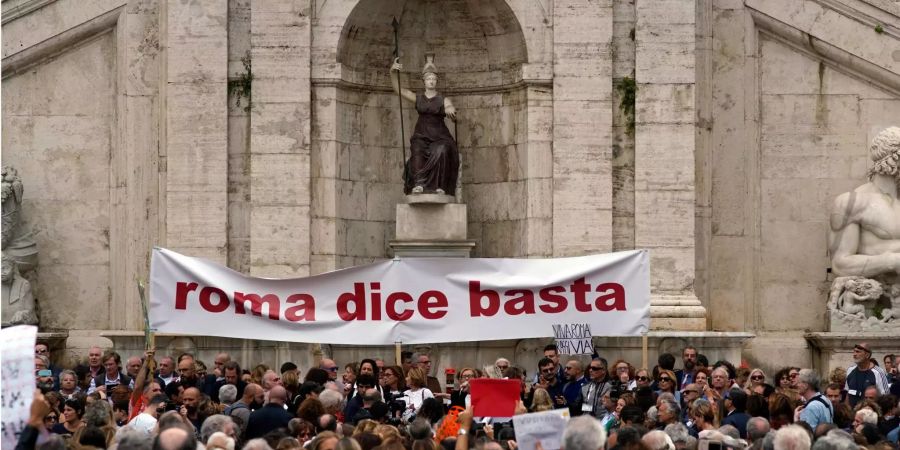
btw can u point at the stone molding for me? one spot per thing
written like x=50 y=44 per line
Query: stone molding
x=22 y=9
x=61 y=43
x=493 y=89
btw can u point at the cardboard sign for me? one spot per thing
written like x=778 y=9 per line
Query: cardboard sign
x=546 y=427
x=574 y=338
x=17 y=378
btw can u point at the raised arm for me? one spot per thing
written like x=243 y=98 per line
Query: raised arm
x=395 y=82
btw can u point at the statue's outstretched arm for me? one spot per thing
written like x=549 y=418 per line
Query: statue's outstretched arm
x=395 y=82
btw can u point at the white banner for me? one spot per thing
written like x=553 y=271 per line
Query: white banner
x=410 y=300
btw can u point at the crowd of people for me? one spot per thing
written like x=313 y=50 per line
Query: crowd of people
x=178 y=402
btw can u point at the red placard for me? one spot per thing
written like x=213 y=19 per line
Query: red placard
x=494 y=398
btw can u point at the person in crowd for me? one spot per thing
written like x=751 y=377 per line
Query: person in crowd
x=574 y=381
x=459 y=396
x=757 y=429
x=642 y=379
x=271 y=416
x=665 y=361
x=417 y=392
x=685 y=376
x=68 y=384
x=166 y=370
x=71 y=421
x=364 y=382
x=792 y=437
x=864 y=373
x=112 y=374
x=395 y=381
x=145 y=422
x=552 y=352
x=720 y=382
x=623 y=374
x=95 y=365
x=500 y=366
x=329 y=366
x=590 y=402
x=548 y=381
x=668 y=413
x=817 y=408
x=187 y=373
x=736 y=411
x=756 y=378
x=689 y=393
x=541 y=400
x=701 y=378
x=240 y=410
x=781 y=410
x=351 y=370
x=666 y=383
x=704 y=415
x=423 y=361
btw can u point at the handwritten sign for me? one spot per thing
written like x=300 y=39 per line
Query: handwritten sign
x=17 y=377
x=546 y=427
x=573 y=338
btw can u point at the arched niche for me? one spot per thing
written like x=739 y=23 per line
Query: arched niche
x=480 y=51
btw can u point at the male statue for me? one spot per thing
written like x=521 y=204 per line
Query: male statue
x=865 y=222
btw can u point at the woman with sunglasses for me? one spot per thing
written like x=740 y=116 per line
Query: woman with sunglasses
x=757 y=378
x=460 y=396
x=783 y=384
x=666 y=382
x=73 y=411
x=642 y=379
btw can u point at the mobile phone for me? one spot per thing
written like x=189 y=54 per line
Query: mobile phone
x=706 y=444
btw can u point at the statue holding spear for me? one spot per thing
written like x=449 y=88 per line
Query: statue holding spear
x=433 y=164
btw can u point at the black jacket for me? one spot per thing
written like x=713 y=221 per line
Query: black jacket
x=265 y=419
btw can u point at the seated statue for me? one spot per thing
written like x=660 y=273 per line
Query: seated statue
x=864 y=232
x=433 y=165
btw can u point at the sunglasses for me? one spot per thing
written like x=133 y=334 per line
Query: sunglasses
x=50 y=418
x=689 y=391
x=643 y=378
x=661 y=379
x=757 y=377
x=332 y=369
x=596 y=368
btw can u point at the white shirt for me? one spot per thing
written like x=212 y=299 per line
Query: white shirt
x=143 y=422
x=414 y=399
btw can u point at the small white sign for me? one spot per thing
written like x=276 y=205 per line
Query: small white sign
x=546 y=427
x=573 y=338
x=17 y=378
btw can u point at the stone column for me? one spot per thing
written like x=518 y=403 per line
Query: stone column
x=582 y=127
x=279 y=138
x=194 y=132
x=664 y=159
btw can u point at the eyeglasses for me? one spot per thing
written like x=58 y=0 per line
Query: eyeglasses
x=691 y=391
x=50 y=418
x=661 y=379
x=643 y=378
x=757 y=377
x=621 y=369
x=42 y=351
x=592 y=368
x=332 y=369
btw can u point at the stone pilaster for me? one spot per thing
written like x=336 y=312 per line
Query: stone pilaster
x=582 y=127
x=664 y=158
x=280 y=138
x=195 y=133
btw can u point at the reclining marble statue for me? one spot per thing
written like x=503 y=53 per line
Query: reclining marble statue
x=433 y=165
x=19 y=256
x=864 y=238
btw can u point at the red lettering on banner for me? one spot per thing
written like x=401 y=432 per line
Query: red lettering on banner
x=521 y=301
x=182 y=290
x=358 y=299
x=430 y=300
x=523 y=304
x=475 y=297
x=206 y=300
x=306 y=310
x=580 y=289
x=272 y=303
x=391 y=306
x=551 y=295
x=617 y=296
x=376 y=301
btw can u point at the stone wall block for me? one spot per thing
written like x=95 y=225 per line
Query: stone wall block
x=667 y=158
x=665 y=103
x=278 y=233
x=665 y=218
x=280 y=128
x=280 y=179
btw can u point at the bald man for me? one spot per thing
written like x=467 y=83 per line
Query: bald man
x=269 y=417
x=175 y=439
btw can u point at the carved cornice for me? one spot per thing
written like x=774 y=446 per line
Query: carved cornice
x=343 y=84
x=23 y=8
x=833 y=56
x=55 y=45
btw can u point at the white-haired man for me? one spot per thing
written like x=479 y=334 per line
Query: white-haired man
x=584 y=433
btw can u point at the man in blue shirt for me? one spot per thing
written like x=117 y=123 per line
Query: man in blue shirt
x=818 y=408
x=575 y=379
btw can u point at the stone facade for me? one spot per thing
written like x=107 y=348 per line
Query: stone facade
x=131 y=120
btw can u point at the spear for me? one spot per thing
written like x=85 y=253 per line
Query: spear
x=396 y=25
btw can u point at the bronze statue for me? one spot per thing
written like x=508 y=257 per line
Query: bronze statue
x=433 y=165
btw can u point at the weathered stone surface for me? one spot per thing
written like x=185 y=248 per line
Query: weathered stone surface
x=431 y=221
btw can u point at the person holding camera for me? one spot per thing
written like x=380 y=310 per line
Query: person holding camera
x=548 y=380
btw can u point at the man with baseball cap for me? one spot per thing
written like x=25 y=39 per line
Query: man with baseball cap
x=864 y=374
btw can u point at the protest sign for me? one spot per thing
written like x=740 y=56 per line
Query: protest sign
x=573 y=339
x=546 y=427
x=494 y=397
x=410 y=300
x=17 y=377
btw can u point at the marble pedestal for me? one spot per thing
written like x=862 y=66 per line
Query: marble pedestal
x=677 y=313
x=431 y=225
x=835 y=349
